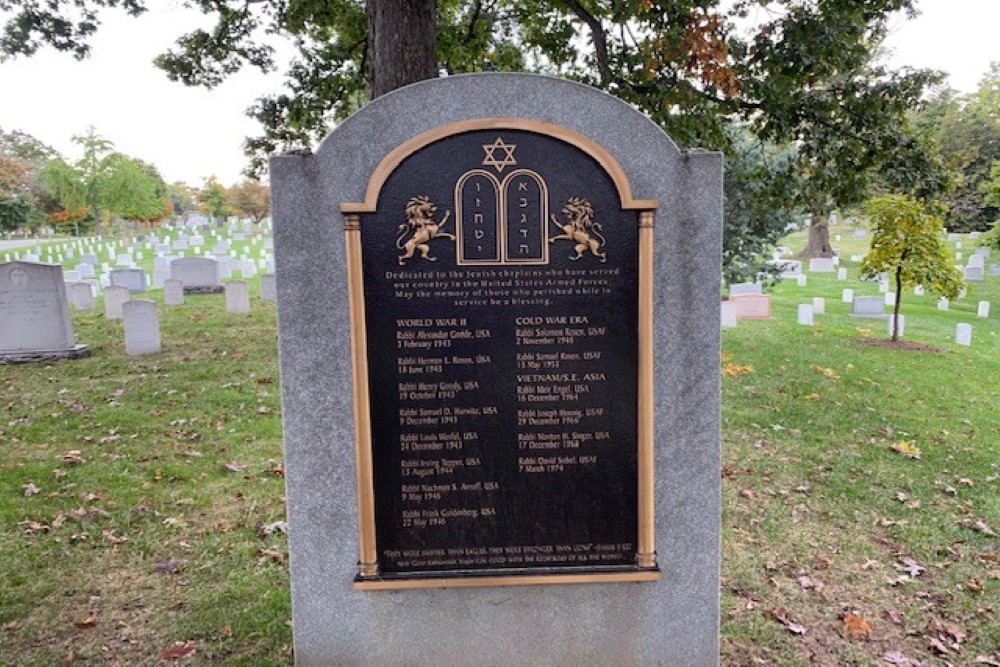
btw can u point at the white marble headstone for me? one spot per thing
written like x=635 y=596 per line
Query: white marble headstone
x=237 y=298
x=142 y=327
x=268 y=287
x=114 y=297
x=173 y=292
x=963 y=334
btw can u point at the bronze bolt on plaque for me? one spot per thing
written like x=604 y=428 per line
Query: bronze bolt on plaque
x=501 y=306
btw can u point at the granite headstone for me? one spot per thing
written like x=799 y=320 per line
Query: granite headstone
x=669 y=621
x=35 y=323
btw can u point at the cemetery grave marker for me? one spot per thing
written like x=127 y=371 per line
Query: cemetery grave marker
x=745 y=288
x=237 y=298
x=822 y=265
x=268 y=287
x=35 y=323
x=114 y=297
x=752 y=306
x=173 y=292
x=142 y=327
x=902 y=325
x=480 y=328
x=81 y=295
x=868 y=306
x=727 y=314
x=200 y=275
x=963 y=334
x=132 y=279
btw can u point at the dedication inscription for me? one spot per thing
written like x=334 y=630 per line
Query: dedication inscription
x=501 y=400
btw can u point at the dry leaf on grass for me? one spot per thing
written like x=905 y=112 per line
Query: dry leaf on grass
x=73 y=457
x=735 y=370
x=88 y=622
x=276 y=527
x=781 y=616
x=993 y=660
x=910 y=566
x=981 y=526
x=171 y=566
x=30 y=489
x=179 y=651
x=907 y=448
x=897 y=658
x=235 y=467
x=856 y=627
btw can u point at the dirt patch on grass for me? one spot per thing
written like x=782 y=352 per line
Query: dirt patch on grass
x=900 y=345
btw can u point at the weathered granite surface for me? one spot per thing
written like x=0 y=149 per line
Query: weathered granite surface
x=671 y=622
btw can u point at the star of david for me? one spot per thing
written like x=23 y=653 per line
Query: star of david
x=491 y=159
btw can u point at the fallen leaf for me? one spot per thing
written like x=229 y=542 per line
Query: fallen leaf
x=235 y=467
x=993 y=660
x=907 y=448
x=179 y=651
x=897 y=658
x=88 y=622
x=276 y=527
x=894 y=616
x=735 y=370
x=856 y=627
x=910 y=566
x=781 y=616
x=30 y=489
x=980 y=526
x=938 y=647
x=273 y=555
x=171 y=566
x=808 y=583
x=109 y=535
x=828 y=373
x=73 y=457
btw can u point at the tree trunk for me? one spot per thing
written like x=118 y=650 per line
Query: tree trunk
x=895 y=307
x=402 y=43
x=819 y=236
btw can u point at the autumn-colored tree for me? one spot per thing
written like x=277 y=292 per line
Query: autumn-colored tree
x=906 y=242
x=250 y=199
x=17 y=207
x=22 y=195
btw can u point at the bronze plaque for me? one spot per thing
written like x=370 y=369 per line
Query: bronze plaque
x=501 y=281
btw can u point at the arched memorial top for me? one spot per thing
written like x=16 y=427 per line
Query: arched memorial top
x=605 y=159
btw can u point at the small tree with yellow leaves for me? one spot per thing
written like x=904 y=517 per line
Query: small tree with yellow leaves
x=906 y=243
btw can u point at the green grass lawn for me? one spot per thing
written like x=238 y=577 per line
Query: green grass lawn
x=140 y=498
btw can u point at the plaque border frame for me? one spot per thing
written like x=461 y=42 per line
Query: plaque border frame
x=368 y=578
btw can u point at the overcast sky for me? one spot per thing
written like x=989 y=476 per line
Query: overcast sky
x=191 y=133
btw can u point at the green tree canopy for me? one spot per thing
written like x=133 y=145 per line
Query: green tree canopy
x=967 y=130
x=907 y=243
x=798 y=72
x=104 y=184
x=213 y=198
